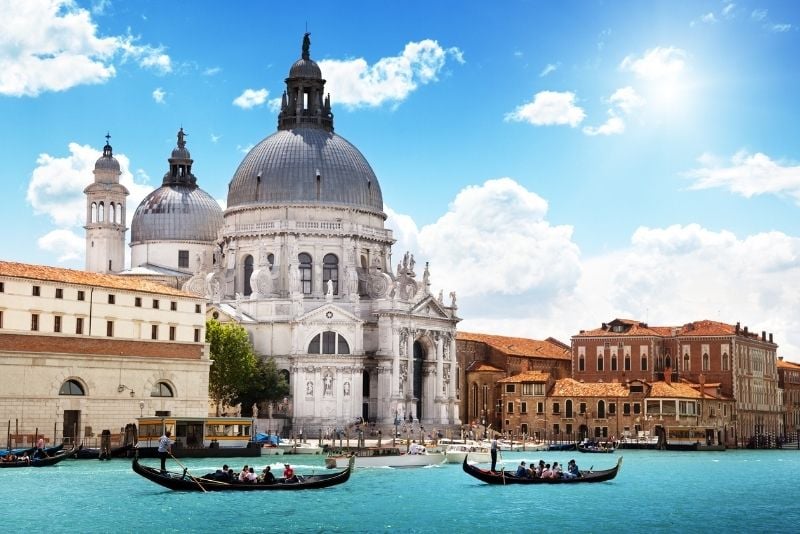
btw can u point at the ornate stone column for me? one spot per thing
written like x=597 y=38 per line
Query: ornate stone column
x=397 y=337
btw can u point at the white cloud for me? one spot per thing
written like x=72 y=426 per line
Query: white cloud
x=747 y=175
x=56 y=189
x=65 y=244
x=53 y=46
x=549 y=108
x=158 y=95
x=727 y=11
x=244 y=149
x=215 y=138
x=780 y=28
x=758 y=14
x=355 y=83
x=626 y=99
x=656 y=63
x=614 y=125
x=495 y=240
x=549 y=68
x=251 y=98
x=274 y=104
x=212 y=71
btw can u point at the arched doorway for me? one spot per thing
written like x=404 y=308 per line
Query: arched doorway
x=365 y=396
x=419 y=356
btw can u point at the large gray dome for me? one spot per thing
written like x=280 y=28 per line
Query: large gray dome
x=176 y=213
x=305 y=165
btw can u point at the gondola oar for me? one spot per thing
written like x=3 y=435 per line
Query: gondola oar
x=186 y=471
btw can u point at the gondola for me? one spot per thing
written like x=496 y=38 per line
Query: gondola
x=93 y=453
x=595 y=449
x=503 y=477
x=51 y=451
x=37 y=462
x=186 y=482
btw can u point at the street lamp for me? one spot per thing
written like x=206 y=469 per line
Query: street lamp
x=141 y=409
x=396 y=425
x=483 y=422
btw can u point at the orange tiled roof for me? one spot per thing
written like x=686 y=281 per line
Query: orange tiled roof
x=783 y=364
x=520 y=346
x=632 y=328
x=707 y=328
x=674 y=390
x=70 y=276
x=479 y=366
x=569 y=387
x=527 y=376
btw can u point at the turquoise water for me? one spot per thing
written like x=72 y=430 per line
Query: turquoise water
x=731 y=491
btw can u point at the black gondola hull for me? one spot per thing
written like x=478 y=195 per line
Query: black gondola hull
x=503 y=478
x=187 y=482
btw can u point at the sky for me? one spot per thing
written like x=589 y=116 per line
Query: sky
x=558 y=164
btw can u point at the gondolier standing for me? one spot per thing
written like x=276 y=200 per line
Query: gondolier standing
x=164 y=448
x=494 y=452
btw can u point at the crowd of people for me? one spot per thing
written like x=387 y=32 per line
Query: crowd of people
x=248 y=475
x=545 y=470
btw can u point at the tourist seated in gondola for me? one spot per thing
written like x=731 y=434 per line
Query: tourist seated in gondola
x=267 y=477
x=547 y=472
x=251 y=477
x=243 y=474
x=288 y=474
x=572 y=470
x=556 y=470
x=522 y=471
x=40 y=452
x=9 y=458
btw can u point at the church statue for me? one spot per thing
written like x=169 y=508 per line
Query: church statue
x=329 y=286
x=306 y=45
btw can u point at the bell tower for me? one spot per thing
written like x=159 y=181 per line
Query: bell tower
x=105 y=216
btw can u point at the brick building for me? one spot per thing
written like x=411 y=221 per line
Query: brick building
x=485 y=359
x=82 y=352
x=789 y=382
x=742 y=363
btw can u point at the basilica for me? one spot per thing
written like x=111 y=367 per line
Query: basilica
x=302 y=259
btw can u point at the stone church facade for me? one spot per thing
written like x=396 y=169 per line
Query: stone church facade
x=302 y=259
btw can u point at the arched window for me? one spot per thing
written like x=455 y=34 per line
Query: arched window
x=706 y=362
x=601 y=409
x=725 y=361
x=686 y=362
x=614 y=362
x=161 y=389
x=568 y=408
x=329 y=342
x=581 y=363
x=112 y=214
x=100 y=212
x=248 y=271
x=305 y=273
x=644 y=362
x=271 y=260
x=599 y=362
x=330 y=271
x=120 y=209
x=627 y=362
x=94 y=212
x=72 y=387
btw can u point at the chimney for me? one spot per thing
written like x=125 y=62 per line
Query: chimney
x=745 y=331
x=737 y=328
x=780 y=358
x=763 y=335
x=770 y=337
x=604 y=326
x=583 y=331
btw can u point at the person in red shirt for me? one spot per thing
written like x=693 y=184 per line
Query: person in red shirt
x=288 y=473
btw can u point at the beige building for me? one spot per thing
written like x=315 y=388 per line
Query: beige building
x=83 y=352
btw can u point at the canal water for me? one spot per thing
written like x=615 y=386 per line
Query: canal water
x=731 y=491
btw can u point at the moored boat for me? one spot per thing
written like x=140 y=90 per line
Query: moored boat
x=387 y=457
x=504 y=478
x=186 y=482
x=456 y=453
x=199 y=437
x=299 y=447
x=596 y=447
x=28 y=461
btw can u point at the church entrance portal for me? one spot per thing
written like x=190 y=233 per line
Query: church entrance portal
x=419 y=356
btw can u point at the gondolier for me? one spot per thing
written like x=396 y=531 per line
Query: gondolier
x=494 y=453
x=164 y=448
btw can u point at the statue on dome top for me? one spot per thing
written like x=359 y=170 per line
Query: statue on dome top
x=306 y=45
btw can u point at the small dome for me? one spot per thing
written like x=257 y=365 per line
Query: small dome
x=181 y=153
x=107 y=164
x=305 y=165
x=305 y=68
x=176 y=213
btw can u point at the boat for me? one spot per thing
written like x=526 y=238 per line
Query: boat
x=387 y=457
x=691 y=438
x=562 y=446
x=199 y=437
x=28 y=461
x=503 y=477
x=456 y=452
x=596 y=447
x=93 y=453
x=51 y=451
x=643 y=440
x=184 y=481
x=299 y=447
